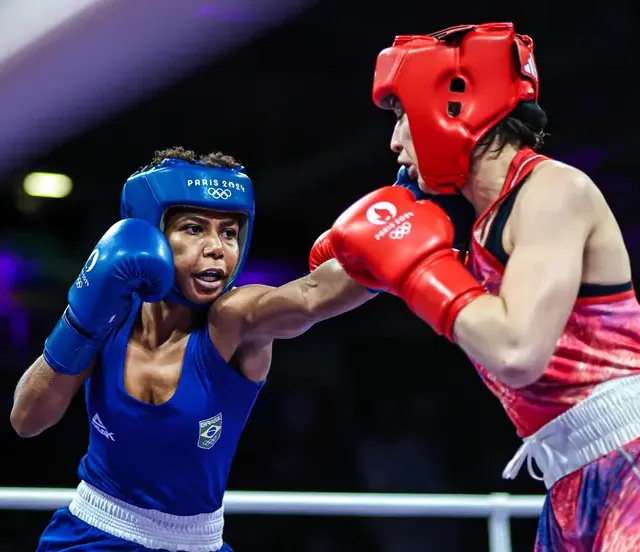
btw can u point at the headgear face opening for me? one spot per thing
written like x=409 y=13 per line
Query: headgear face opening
x=455 y=85
x=149 y=193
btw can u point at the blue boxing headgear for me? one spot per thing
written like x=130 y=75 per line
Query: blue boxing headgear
x=148 y=193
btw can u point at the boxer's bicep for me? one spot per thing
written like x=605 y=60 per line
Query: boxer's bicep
x=514 y=334
x=543 y=274
x=291 y=309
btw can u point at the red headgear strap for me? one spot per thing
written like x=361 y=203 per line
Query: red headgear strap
x=454 y=86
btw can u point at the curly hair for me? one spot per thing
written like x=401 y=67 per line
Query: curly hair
x=216 y=160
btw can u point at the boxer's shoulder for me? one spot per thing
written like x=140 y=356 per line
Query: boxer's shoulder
x=229 y=317
x=236 y=304
x=558 y=177
x=555 y=186
x=554 y=172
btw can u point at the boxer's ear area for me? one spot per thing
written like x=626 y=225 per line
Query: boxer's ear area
x=454 y=109
x=457 y=86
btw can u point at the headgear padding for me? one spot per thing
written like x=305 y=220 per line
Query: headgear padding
x=454 y=86
x=148 y=193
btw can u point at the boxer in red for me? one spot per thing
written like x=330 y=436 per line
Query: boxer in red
x=543 y=302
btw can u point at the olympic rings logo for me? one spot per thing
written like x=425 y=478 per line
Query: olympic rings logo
x=217 y=193
x=401 y=231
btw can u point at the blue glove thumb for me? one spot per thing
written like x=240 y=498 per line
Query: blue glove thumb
x=410 y=184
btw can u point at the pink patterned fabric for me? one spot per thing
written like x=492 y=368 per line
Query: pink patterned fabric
x=596 y=508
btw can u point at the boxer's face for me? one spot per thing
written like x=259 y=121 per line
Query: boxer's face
x=402 y=144
x=205 y=251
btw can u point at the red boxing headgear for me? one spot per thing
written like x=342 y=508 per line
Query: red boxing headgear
x=454 y=86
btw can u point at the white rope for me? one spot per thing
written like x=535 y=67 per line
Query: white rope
x=497 y=507
x=337 y=504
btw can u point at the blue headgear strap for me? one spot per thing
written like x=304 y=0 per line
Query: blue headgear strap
x=148 y=193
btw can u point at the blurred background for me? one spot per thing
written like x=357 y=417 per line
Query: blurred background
x=371 y=401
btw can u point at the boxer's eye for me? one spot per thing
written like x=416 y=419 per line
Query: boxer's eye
x=395 y=105
x=193 y=229
x=230 y=233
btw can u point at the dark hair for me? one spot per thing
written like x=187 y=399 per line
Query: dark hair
x=523 y=127
x=217 y=160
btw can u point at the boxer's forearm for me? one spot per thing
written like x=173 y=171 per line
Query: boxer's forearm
x=483 y=330
x=42 y=397
x=290 y=310
x=331 y=291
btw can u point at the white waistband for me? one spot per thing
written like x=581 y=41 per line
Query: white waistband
x=605 y=421
x=150 y=528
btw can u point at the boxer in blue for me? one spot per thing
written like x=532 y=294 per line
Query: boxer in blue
x=172 y=357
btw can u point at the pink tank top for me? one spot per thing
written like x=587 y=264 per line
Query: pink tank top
x=600 y=342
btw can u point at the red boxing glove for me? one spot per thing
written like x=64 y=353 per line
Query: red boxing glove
x=321 y=252
x=407 y=245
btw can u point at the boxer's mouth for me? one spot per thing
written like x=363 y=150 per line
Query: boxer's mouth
x=210 y=275
x=413 y=172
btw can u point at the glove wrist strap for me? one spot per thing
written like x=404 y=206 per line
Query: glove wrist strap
x=438 y=289
x=67 y=350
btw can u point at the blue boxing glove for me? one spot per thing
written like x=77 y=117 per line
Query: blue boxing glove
x=133 y=257
x=407 y=182
x=459 y=210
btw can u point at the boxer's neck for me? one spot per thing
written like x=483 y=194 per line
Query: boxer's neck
x=487 y=176
x=164 y=322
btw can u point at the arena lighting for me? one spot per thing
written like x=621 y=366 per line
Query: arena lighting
x=40 y=184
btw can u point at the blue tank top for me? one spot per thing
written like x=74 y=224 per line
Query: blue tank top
x=174 y=457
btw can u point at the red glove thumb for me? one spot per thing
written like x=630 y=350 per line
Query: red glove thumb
x=321 y=252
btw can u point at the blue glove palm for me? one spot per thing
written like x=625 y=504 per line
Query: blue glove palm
x=133 y=257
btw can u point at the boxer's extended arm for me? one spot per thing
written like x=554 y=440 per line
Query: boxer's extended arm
x=254 y=316
x=514 y=334
x=291 y=309
x=42 y=397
